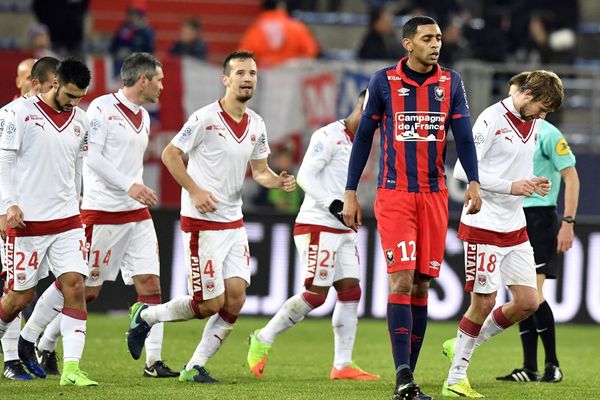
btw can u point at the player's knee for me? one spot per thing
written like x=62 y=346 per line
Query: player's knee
x=314 y=299
x=73 y=285
x=90 y=296
x=484 y=305
x=21 y=300
x=147 y=283
x=528 y=306
x=212 y=306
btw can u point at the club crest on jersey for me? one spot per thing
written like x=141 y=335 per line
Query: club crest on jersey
x=95 y=273
x=389 y=256
x=482 y=280
x=210 y=286
x=323 y=273
x=253 y=138
x=438 y=92
x=77 y=130
x=21 y=278
x=403 y=91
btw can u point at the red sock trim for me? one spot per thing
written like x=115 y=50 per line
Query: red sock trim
x=4 y=316
x=418 y=301
x=227 y=317
x=74 y=313
x=58 y=285
x=352 y=294
x=500 y=319
x=313 y=299
x=196 y=309
x=469 y=327
x=399 y=298
x=149 y=299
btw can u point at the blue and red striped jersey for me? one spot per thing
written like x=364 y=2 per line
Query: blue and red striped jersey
x=413 y=121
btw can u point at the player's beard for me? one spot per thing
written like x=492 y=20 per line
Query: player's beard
x=61 y=107
x=243 y=99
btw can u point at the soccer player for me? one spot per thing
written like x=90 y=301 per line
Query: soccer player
x=553 y=159
x=119 y=229
x=414 y=103
x=327 y=250
x=220 y=139
x=497 y=249
x=41 y=157
x=23 y=81
x=41 y=74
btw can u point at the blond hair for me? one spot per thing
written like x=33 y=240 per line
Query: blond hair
x=544 y=86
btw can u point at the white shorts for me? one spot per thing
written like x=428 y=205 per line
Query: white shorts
x=487 y=267
x=328 y=257
x=213 y=256
x=131 y=248
x=30 y=258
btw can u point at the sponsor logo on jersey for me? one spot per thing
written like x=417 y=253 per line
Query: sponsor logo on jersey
x=403 y=91
x=439 y=93
x=115 y=118
x=215 y=128
x=196 y=276
x=33 y=117
x=41 y=125
x=394 y=78
x=562 y=148
x=509 y=138
x=409 y=124
x=389 y=257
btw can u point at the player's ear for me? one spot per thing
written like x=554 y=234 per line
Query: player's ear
x=224 y=79
x=407 y=44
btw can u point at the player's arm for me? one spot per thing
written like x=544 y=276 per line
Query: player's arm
x=317 y=156
x=460 y=123
x=565 y=234
x=172 y=158
x=10 y=143
x=264 y=176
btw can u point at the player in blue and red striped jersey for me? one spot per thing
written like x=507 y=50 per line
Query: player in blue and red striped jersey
x=414 y=103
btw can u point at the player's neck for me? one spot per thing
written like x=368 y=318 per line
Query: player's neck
x=235 y=108
x=417 y=66
x=133 y=95
x=50 y=99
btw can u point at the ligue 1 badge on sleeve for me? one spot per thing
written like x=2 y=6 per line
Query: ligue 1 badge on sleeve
x=438 y=91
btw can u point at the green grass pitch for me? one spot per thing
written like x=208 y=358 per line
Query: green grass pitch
x=300 y=361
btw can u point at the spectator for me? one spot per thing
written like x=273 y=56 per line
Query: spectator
x=456 y=46
x=190 y=41
x=381 y=42
x=38 y=41
x=64 y=19
x=275 y=37
x=549 y=43
x=133 y=36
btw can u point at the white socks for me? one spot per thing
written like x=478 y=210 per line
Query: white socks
x=51 y=334
x=47 y=308
x=344 y=321
x=178 y=309
x=10 y=340
x=215 y=333
x=73 y=328
x=153 y=344
x=293 y=311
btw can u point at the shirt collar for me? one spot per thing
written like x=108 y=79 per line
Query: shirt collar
x=121 y=97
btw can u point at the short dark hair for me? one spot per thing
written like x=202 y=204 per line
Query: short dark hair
x=410 y=27
x=236 y=55
x=375 y=14
x=72 y=70
x=43 y=68
x=136 y=65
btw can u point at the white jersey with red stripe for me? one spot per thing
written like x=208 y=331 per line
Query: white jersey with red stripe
x=322 y=174
x=219 y=150
x=505 y=145
x=48 y=143
x=122 y=129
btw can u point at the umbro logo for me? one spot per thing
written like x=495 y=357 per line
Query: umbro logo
x=403 y=91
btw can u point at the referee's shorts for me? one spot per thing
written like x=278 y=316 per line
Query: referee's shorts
x=542 y=228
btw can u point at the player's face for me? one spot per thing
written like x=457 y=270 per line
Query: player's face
x=533 y=110
x=24 y=81
x=424 y=47
x=153 y=87
x=241 y=80
x=67 y=96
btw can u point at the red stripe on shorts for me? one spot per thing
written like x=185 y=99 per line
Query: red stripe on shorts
x=313 y=258
x=195 y=266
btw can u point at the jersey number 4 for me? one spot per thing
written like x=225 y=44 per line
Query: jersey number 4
x=33 y=260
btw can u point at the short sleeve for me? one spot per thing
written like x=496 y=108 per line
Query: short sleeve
x=192 y=133
x=556 y=148
x=261 y=148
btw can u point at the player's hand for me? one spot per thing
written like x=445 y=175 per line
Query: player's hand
x=542 y=185
x=351 y=212
x=14 y=217
x=565 y=237
x=3 y=226
x=142 y=194
x=336 y=208
x=204 y=201
x=472 y=198
x=524 y=187
x=287 y=182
